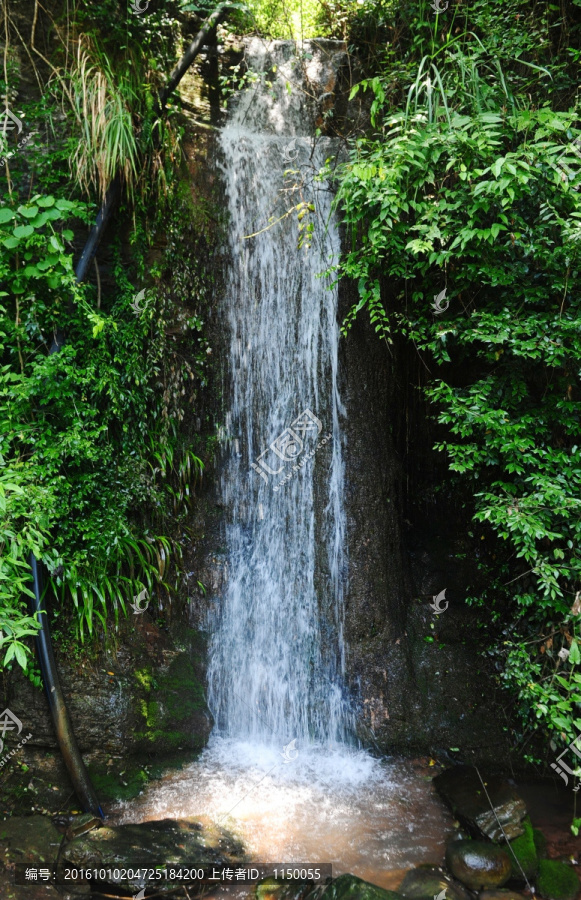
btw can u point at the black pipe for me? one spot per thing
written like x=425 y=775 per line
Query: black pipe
x=191 y=53
x=56 y=701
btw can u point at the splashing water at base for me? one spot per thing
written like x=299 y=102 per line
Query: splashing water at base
x=367 y=817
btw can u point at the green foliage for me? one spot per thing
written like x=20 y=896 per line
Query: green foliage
x=87 y=437
x=471 y=188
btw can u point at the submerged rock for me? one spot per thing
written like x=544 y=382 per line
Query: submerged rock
x=175 y=843
x=461 y=788
x=557 y=880
x=478 y=865
x=349 y=887
x=427 y=881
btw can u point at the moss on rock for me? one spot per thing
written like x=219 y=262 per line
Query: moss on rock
x=540 y=843
x=557 y=880
x=172 y=708
x=525 y=851
x=349 y=887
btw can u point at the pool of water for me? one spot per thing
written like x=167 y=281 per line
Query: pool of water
x=373 y=818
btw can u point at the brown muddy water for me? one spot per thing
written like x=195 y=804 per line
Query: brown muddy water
x=373 y=818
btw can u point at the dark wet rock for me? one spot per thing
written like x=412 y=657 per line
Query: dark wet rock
x=461 y=788
x=501 y=895
x=43 y=892
x=33 y=841
x=349 y=887
x=557 y=880
x=526 y=863
x=478 y=865
x=427 y=881
x=273 y=889
x=172 y=842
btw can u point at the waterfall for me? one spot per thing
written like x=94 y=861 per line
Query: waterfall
x=277 y=654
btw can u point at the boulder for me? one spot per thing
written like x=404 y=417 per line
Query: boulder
x=34 y=841
x=557 y=880
x=427 y=881
x=271 y=889
x=175 y=843
x=478 y=865
x=461 y=789
x=502 y=895
x=525 y=851
x=349 y=887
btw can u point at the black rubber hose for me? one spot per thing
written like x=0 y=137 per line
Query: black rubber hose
x=187 y=59
x=56 y=701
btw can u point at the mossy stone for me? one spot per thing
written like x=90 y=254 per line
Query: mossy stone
x=557 y=880
x=349 y=887
x=540 y=843
x=525 y=851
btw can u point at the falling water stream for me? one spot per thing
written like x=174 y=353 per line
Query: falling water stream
x=282 y=769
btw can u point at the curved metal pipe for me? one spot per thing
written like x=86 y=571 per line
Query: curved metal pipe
x=56 y=701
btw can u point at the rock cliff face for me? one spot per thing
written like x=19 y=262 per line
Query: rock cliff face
x=418 y=678
x=133 y=708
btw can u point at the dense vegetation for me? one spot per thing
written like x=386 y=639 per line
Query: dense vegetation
x=464 y=209
x=463 y=187
x=96 y=473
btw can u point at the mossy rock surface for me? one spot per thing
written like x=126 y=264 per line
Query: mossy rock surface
x=478 y=864
x=540 y=843
x=426 y=882
x=349 y=887
x=172 y=705
x=525 y=851
x=557 y=880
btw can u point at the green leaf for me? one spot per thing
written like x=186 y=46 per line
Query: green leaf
x=23 y=231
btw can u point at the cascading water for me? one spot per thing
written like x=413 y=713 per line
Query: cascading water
x=277 y=657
